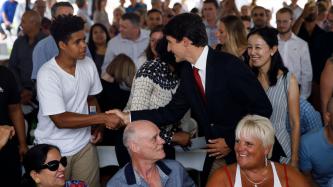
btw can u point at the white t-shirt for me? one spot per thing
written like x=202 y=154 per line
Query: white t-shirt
x=58 y=92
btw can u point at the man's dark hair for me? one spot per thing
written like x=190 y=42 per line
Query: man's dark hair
x=154 y=10
x=64 y=25
x=187 y=25
x=59 y=4
x=214 y=2
x=132 y=17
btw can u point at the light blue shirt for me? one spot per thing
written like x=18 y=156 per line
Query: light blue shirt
x=43 y=52
x=133 y=49
x=316 y=155
x=172 y=174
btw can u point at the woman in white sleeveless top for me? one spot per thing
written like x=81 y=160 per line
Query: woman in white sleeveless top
x=253 y=147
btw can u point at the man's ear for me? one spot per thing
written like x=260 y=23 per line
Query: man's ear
x=187 y=42
x=135 y=148
x=62 y=45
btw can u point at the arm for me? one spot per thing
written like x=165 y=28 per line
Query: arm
x=75 y=120
x=294 y=116
x=326 y=87
x=141 y=94
x=17 y=118
x=6 y=133
x=306 y=72
x=295 y=178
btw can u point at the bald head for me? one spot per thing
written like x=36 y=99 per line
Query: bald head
x=136 y=130
x=31 y=22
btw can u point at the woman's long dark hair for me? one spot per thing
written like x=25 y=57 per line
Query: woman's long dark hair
x=91 y=45
x=34 y=160
x=149 y=53
x=269 y=35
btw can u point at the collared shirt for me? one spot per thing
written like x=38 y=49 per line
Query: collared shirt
x=211 y=34
x=20 y=61
x=296 y=57
x=133 y=49
x=43 y=52
x=201 y=65
x=172 y=174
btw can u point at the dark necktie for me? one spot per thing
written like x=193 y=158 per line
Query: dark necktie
x=199 y=83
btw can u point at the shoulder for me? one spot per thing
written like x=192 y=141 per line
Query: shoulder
x=220 y=176
x=45 y=41
x=295 y=178
x=46 y=69
x=118 y=179
x=312 y=135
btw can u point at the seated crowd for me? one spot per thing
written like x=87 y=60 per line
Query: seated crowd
x=261 y=95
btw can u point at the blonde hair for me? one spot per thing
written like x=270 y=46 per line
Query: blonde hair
x=236 y=35
x=258 y=127
x=122 y=69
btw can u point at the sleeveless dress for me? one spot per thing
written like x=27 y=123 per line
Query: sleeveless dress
x=277 y=95
x=238 y=179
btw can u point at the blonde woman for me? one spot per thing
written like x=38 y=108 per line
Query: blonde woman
x=232 y=36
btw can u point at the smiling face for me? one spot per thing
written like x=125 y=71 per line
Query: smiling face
x=259 y=51
x=154 y=19
x=154 y=38
x=250 y=152
x=177 y=48
x=52 y=178
x=150 y=146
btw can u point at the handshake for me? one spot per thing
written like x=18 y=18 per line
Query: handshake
x=116 y=119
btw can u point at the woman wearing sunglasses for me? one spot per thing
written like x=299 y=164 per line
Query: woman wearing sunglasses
x=45 y=167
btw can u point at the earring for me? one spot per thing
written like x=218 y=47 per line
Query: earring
x=272 y=54
x=37 y=181
x=266 y=161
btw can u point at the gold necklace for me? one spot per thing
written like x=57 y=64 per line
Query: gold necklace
x=254 y=183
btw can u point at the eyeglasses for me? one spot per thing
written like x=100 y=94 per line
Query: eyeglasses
x=54 y=164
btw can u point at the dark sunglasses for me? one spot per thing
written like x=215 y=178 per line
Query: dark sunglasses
x=54 y=164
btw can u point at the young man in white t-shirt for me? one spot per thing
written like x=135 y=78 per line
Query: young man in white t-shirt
x=66 y=86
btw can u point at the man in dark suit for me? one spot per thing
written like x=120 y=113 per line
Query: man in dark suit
x=218 y=87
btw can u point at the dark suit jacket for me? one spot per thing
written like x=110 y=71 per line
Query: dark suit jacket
x=232 y=91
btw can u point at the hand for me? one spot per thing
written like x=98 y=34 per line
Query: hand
x=112 y=121
x=22 y=150
x=124 y=116
x=97 y=134
x=6 y=133
x=26 y=96
x=182 y=138
x=218 y=148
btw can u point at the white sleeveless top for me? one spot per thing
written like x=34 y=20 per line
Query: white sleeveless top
x=238 y=179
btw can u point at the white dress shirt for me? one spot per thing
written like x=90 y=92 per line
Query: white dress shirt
x=296 y=57
x=200 y=64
